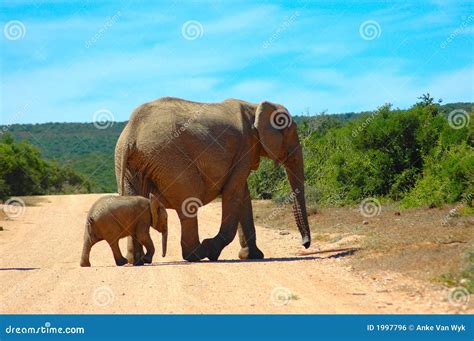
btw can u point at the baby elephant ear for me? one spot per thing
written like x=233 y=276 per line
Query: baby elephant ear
x=159 y=220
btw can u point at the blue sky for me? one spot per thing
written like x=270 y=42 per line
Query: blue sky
x=63 y=62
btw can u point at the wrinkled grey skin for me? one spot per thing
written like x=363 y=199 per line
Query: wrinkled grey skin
x=182 y=150
x=113 y=217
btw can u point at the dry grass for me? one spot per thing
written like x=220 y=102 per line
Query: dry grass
x=414 y=242
x=34 y=200
x=28 y=201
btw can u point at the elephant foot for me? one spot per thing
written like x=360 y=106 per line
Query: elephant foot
x=192 y=258
x=132 y=256
x=121 y=261
x=196 y=254
x=139 y=262
x=213 y=249
x=250 y=253
x=85 y=263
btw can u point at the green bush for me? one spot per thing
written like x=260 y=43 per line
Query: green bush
x=24 y=172
x=264 y=182
x=447 y=176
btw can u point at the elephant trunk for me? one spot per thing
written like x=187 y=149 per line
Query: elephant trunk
x=295 y=172
x=164 y=242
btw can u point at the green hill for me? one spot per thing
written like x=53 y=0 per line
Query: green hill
x=85 y=148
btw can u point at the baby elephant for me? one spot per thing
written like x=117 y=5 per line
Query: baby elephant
x=113 y=217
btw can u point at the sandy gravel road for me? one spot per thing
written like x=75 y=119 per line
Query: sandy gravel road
x=40 y=273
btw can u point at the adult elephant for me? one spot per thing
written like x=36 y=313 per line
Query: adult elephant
x=188 y=153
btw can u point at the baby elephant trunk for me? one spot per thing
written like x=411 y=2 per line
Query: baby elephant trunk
x=164 y=242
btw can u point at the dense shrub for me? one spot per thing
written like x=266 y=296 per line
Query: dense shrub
x=24 y=172
x=447 y=176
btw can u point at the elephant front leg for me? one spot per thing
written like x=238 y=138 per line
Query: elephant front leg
x=231 y=205
x=247 y=234
x=145 y=239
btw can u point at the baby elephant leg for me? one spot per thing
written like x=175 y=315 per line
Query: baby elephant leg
x=119 y=259
x=145 y=239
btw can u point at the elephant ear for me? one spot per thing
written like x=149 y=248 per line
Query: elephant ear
x=157 y=209
x=159 y=220
x=271 y=121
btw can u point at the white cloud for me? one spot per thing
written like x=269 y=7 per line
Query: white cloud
x=254 y=18
x=369 y=90
x=252 y=89
x=456 y=86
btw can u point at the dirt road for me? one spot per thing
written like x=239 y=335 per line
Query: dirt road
x=40 y=273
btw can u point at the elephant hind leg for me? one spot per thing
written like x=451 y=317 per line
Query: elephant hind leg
x=247 y=234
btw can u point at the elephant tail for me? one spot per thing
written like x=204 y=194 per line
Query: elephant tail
x=89 y=240
x=123 y=166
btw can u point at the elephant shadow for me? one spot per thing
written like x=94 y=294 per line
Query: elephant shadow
x=341 y=254
x=18 y=269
